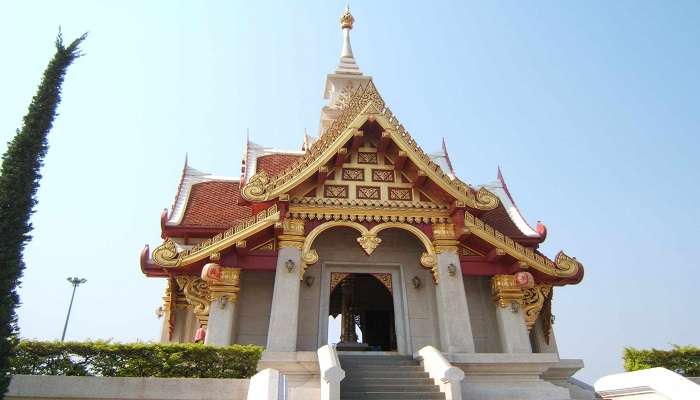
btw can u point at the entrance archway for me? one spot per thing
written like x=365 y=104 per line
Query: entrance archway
x=364 y=300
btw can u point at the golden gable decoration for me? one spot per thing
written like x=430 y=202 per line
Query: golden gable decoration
x=364 y=102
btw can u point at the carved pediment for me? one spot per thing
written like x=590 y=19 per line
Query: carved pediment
x=369 y=143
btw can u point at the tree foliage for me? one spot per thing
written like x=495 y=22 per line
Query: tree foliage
x=684 y=360
x=19 y=181
x=186 y=360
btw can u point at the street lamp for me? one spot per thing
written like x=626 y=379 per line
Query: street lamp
x=75 y=281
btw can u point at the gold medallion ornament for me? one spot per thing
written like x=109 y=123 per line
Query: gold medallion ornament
x=369 y=242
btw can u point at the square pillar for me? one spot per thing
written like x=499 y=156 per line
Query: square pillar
x=510 y=319
x=453 y=312
x=284 y=315
x=224 y=286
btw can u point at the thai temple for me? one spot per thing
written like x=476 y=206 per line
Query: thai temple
x=440 y=287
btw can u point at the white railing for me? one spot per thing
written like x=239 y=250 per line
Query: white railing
x=447 y=377
x=331 y=372
x=268 y=384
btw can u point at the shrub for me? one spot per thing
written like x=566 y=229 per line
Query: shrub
x=187 y=360
x=684 y=360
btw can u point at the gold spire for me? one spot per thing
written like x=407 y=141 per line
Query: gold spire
x=346 y=20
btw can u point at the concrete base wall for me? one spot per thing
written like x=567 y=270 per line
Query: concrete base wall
x=27 y=387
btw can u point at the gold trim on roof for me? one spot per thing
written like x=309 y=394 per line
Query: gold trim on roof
x=563 y=266
x=166 y=254
x=364 y=102
x=368 y=210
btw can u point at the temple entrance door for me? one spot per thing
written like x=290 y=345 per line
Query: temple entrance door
x=365 y=303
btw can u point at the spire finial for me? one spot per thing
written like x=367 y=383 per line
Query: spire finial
x=346 y=20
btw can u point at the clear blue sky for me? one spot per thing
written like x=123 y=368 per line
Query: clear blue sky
x=591 y=109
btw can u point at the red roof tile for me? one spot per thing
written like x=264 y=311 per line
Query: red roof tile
x=275 y=164
x=214 y=204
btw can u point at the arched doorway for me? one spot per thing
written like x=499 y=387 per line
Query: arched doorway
x=364 y=300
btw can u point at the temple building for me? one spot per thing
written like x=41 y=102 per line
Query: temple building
x=363 y=223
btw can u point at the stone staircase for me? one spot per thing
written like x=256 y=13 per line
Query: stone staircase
x=385 y=377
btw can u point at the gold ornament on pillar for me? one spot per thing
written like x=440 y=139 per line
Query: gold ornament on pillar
x=533 y=300
x=292 y=234
x=506 y=292
x=444 y=238
x=224 y=283
x=196 y=292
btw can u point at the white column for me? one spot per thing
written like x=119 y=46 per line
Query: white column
x=224 y=285
x=284 y=315
x=221 y=319
x=509 y=315
x=453 y=312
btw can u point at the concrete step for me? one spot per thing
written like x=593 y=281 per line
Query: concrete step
x=430 y=388
x=377 y=362
x=385 y=377
x=391 y=396
x=374 y=380
x=350 y=374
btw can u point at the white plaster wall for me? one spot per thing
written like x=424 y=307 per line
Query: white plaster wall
x=254 y=304
x=338 y=245
x=482 y=314
x=28 y=387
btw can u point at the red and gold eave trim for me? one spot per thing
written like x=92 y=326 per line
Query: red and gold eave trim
x=560 y=271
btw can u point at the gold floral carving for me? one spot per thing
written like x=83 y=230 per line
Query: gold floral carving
x=385 y=279
x=369 y=242
x=563 y=265
x=505 y=291
x=335 y=191
x=353 y=174
x=533 y=300
x=197 y=294
x=166 y=254
x=364 y=102
x=382 y=175
x=366 y=157
x=401 y=194
x=336 y=278
x=367 y=192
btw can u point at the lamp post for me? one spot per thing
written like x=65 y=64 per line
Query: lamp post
x=75 y=281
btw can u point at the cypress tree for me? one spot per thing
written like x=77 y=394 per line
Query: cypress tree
x=19 y=181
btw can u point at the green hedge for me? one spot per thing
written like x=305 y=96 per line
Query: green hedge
x=135 y=359
x=684 y=360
